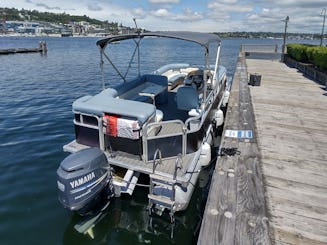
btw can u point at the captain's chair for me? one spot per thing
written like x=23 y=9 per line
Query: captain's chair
x=187 y=98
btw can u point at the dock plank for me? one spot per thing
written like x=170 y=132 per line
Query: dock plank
x=297 y=207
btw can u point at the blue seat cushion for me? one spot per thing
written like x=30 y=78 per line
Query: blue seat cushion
x=101 y=104
x=187 y=98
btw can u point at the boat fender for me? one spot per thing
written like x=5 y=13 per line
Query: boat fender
x=205 y=156
x=194 y=113
x=226 y=97
x=219 y=118
x=159 y=116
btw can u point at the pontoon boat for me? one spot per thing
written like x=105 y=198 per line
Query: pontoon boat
x=160 y=124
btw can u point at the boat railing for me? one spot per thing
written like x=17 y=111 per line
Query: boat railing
x=194 y=123
x=165 y=133
x=178 y=165
x=156 y=161
x=172 y=66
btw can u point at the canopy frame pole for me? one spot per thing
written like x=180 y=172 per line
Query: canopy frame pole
x=113 y=65
x=206 y=69
x=132 y=58
x=217 y=65
x=138 y=47
x=102 y=69
x=137 y=44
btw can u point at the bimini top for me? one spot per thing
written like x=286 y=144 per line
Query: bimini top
x=203 y=39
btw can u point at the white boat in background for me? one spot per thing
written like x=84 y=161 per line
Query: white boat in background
x=160 y=124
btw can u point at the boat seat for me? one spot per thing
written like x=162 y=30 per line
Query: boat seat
x=187 y=98
x=130 y=90
x=101 y=104
x=175 y=79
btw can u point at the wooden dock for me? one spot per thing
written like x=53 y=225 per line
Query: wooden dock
x=272 y=188
x=20 y=50
x=41 y=49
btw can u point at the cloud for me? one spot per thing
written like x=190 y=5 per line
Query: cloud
x=300 y=3
x=270 y=15
x=47 y=6
x=161 y=13
x=207 y=15
x=43 y=5
x=139 y=13
x=188 y=15
x=94 y=7
x=229 y=6
x=164 y=1
x=227 y=1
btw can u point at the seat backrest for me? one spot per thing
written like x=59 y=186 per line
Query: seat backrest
x=187 y=98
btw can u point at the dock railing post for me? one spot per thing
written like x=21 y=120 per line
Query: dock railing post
x=284 y=41
x=323 y=13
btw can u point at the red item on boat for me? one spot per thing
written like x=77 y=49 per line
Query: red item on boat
x=110 y=122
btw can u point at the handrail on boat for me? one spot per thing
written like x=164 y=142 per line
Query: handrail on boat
x=155 y=162
x=149 y=127
x=206 y=106
x=164 y=131
x=178 y=165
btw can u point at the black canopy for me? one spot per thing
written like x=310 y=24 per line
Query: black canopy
x=203 y=39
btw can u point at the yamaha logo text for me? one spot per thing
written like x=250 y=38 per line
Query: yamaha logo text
x=82 y=180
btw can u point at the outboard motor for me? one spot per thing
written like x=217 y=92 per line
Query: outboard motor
x=84 y=181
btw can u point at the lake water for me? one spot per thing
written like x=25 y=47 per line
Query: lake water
x=36 y=93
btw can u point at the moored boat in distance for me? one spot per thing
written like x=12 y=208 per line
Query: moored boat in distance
x=161 y=125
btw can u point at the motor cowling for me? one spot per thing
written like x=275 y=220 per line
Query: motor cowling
x=84 y=180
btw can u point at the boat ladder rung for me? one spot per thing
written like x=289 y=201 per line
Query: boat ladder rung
x=162 y=179
x=162 y=184
x=161 y=200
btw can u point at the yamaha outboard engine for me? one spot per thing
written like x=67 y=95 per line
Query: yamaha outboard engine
x=84 y=181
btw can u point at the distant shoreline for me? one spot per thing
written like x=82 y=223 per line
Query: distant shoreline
x=50 y=35
x=96 y=35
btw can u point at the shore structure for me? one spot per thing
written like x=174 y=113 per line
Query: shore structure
x=269 y=185
x=41 y=49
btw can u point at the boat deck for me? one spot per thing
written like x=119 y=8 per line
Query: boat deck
x=133 y=162
x=166 y=168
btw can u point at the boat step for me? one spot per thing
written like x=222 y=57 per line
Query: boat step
x=161 y=200
x=166 y=185
x=161 y=178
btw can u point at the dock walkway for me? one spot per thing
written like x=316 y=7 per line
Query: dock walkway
x=273 y=189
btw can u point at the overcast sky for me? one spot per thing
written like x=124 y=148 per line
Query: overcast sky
x=198 y=15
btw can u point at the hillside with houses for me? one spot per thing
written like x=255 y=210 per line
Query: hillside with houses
x=27 y=22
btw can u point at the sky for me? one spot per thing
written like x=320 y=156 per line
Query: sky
x=305 y=16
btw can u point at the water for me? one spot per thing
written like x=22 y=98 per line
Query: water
x=36 y=93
